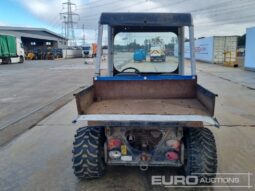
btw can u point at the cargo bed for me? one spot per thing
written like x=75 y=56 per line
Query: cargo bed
x=155 y=100
x=148 y=106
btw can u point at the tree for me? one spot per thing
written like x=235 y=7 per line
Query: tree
x=157 y=40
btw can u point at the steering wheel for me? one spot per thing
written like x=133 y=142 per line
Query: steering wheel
x=131 y=68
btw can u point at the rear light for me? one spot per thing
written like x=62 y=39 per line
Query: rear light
x=114 y=144
x=115 y=154
x=172 y=155
x=114 y=147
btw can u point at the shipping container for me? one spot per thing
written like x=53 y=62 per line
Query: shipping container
x=72 y=53
x=216 y=49
x=249 y=63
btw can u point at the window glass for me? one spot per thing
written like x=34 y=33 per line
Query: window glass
x=145 y=52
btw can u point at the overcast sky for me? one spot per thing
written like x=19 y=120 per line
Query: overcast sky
x=211 y=17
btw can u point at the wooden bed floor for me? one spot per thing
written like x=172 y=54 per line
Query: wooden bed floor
x=148 y=106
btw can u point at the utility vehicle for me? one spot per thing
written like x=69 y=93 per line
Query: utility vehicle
x=142 y=113
x=139 y=55
x=157 y=53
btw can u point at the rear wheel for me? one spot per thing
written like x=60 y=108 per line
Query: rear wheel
x=201 y=153
x=88 y=152
x=21 y=59
x=7 y=61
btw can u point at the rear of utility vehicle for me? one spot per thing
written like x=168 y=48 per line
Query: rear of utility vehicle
x=145 y=113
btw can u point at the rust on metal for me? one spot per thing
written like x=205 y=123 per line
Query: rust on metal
x=151 y=89
x=164 y=97
x=84 y=99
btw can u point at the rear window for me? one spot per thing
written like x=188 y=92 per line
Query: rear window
x=86 y=48
x=146 y=52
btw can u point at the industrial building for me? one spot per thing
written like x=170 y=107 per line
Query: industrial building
x=35 y=37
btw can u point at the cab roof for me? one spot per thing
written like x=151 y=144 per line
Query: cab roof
x=146 y=19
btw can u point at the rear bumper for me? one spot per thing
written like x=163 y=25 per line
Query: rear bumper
x=157 y=57
x=148 y=118
x=149 y=163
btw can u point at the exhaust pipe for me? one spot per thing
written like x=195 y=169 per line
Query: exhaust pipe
x=144 y=167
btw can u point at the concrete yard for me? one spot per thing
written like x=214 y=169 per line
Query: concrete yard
x=25 y=88
x=40 y=159
x=123 y=60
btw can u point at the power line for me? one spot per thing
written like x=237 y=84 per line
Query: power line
x=117 y=8
x=233 y=20
x=214 y=11
x=93 y=2
x=218 y=6
x=225 y=11
x=96 y=6
x=68 y=21
x=54 y=21
x=228 y=16
x=90 y=17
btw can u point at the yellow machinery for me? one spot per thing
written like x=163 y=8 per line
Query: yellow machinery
x=30 y=56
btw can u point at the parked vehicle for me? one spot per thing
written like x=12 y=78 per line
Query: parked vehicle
x=157 y=53
x=11 y=50
x=89 y=51
x=30 y=56
x=145 y=119
x=139 y=55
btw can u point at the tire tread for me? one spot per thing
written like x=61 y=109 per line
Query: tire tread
x=87 y=159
